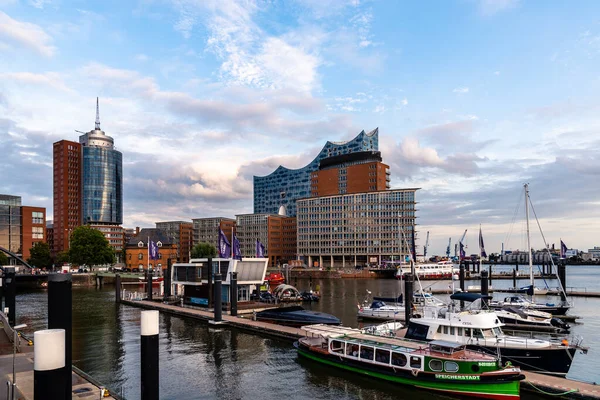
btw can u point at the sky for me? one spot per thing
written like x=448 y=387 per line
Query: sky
x=472 y=98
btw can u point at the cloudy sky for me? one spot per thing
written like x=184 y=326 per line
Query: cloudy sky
x=472 y=98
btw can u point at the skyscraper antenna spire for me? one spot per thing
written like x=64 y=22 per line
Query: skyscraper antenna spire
x=97 y=116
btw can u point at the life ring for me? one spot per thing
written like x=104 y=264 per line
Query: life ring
x=415 y=372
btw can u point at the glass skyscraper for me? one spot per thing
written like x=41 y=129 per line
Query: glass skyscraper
x=102 y=178
x=284 y=186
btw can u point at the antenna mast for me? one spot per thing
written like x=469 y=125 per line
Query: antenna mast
x=97 y=116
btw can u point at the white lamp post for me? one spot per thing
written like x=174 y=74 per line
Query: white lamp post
x=15 y=338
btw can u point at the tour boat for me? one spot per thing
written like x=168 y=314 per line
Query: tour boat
x=439 y=365
x=481 y=329
x=295 y=316
x=441 y=270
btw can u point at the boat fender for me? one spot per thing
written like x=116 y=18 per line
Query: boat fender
x=415 y=372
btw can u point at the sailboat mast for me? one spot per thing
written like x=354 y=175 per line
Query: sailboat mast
x=529 y=237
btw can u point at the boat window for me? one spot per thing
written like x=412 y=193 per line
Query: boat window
x=451 y=366
x=417 y=331
x=468 y=332
x=366 y=353
x=452 y=330
x=488 y=333
x=337 y=347
x=382 y=356
x=497 y=331
x=459 y=331
x=439 y=329
x=477 y=334
x=398 y=359
x=415 y=362
x=445 y=330
x=435 y=365
x=351 y=350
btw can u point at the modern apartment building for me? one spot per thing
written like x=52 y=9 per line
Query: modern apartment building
x=350 y=173
x=20 y=226
x=284 y=186
x=180 y=234
x=206 y=230
x=355 y=229
x=115 y=235
x=276 y=232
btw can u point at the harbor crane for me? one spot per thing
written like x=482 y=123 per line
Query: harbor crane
x=448 y=248
x=426 y=246
x=456 y=246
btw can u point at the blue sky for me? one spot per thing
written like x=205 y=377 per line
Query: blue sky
x=472 y=99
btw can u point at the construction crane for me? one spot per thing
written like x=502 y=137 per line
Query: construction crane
x=425 y=247
x=448 y=248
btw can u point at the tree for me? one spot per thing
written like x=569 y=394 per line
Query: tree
x=204 y=250
x=62 y=258
x=3 y=258
x=90 y=247
x=40 y=255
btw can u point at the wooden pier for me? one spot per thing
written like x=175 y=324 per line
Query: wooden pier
x=538 y=383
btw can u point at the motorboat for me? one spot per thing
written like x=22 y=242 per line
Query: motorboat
x=389 y=329
x=440 y=366
x=296 y=316
x=522 y=302
x=309 y=296
x=381 y=310
x=517 y=319
x=275 y=279
x=481 y=329
x=287 y=293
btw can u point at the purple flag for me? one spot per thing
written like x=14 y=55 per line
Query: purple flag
x=152 y=250
x=462 y=251
x=482 y=252
x=260 y=249
x=237 y=251
x=224 y=246
x=563 y=249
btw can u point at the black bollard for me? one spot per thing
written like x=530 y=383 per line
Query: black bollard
x=484 y=288
x=49 y=365
x=408 y=297
x=514 y=278
x=149 y=355
x=10 y=293
x=117 y=288
x=149 y=285
x=490 y=274
x=233 y=294
x=517 y=267
x=2 y=283
x=211 y=286
x=167 y=279
x=562 y=276
x=218 y=299
x=60 y=316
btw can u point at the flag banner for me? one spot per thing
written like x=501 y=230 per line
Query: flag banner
x=152 y=250
x=260 y=249
x=563 y=249
x=462 y=251
x=482 y=252
x=237 y=250
x=224 y=246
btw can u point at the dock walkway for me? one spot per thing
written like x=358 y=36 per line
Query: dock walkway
x=538 y=383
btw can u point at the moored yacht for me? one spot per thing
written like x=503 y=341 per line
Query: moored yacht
x=521 y=301
x=520 y=320
x=439 y=270
x=482 y=329
x=381 y=310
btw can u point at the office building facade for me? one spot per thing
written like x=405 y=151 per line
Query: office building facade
x=284 y=186
x=276 y=232
x=33 y=228
x=356 y=229
x=180 y=233
x=206 y=230
x=20 y=226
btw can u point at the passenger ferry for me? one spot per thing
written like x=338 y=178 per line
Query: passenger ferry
x=439 y=365
x=441 y=270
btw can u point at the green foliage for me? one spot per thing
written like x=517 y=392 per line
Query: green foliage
x=90 y=247
x=40 y=255
x=62 y=258
x=204 y=250
x=3 y=258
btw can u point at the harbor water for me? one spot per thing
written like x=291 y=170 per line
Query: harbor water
x=198 y=362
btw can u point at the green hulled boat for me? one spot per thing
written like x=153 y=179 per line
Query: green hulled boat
x=438 y=365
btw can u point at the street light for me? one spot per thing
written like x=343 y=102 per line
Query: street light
x=14 y=384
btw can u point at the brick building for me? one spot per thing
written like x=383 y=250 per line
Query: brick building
x=115 y=234
x=136 y=250
x=206 y=230
x=276 y=232
x=33 y=228
x=180 y=233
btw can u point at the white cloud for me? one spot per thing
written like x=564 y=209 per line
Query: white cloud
x=379 y=109
x=491 y=7
x=51 y=79
x=141 y=57
x=26 y=34
x=496 y=73
x=40 y=3
x=461 y=90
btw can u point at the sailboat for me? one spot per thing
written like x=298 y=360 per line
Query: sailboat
x=521 y=301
